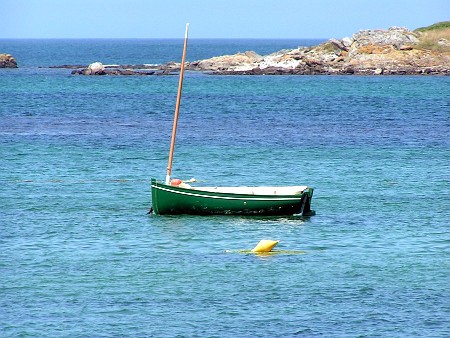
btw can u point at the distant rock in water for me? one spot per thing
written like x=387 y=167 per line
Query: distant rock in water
x=97 y=68
x=7 y=61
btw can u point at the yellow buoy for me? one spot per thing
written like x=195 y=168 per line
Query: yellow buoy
x=265 y=245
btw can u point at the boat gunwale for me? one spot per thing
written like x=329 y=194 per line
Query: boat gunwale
x=228 y=195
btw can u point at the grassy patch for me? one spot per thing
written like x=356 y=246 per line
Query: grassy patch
x=328 y=47
x=436 y=26
x=432 y=37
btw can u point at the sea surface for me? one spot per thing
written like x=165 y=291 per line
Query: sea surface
x=80 y=256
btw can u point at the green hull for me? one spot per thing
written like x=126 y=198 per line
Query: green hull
x=172 y=200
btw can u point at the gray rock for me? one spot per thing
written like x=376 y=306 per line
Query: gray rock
x=393 y=36
x=7 y=61
x=378 y=71
x=443 y=42
x=339 y=44
x=96 y=68
x=347 y=42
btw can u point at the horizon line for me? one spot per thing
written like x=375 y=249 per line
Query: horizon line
x=153 y=38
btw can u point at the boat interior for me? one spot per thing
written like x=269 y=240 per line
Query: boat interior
x=289 y=190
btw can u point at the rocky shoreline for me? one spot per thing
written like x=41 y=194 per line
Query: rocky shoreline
x=97 y=68
x=395 y=51
x=368 y=52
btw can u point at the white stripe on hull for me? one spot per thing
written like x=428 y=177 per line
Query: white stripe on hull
x=251 y=198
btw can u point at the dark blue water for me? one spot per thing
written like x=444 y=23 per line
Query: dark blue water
x=80 y=257
x=54 y=52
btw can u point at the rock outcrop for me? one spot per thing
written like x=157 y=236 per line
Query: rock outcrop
x=393 y=51
x=97 y=68
x=371 y=52
x=7 y=61
x=227 y=61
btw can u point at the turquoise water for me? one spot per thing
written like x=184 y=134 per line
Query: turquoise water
x=81 y=258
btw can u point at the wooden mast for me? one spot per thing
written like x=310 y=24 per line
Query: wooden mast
x=177 y=107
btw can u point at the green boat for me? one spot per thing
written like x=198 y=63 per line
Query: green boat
x=174 y=197
x=265 y=201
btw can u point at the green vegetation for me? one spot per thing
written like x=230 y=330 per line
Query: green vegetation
x=436 y=26
x=435 y=37
x=328 y=47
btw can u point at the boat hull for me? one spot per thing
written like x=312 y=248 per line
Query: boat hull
x=173 y=200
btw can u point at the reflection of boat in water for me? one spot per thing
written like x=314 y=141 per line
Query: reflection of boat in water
x=172 y=197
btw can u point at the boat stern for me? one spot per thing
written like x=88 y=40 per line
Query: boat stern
x=306 y=206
